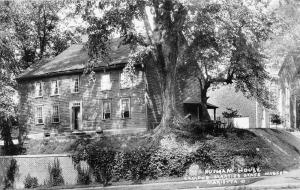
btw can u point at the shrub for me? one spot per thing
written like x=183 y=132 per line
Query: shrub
x=202 y=156
x=275 y=119
x=30 y=182
x=55 y=174
x=119 y=171
x=84 y=176
x=9 y=179
x=100 y=157
x=132 y=164
x=136 y=164
x=230 y=113
x=7 y=124
x=172 y=158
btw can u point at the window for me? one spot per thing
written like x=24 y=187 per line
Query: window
x=105 y=82
x=38 y=89
x=55 y=114
x=39 y=115
x=106 y=109
x=75 y=86
x=54 y=88
x=125 y=108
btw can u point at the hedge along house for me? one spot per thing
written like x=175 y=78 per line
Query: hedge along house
x=55 y=95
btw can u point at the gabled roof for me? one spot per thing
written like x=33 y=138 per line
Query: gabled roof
x=73 y=59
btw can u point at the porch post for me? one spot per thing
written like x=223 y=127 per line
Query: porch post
x=214 y=114
x=198 y=112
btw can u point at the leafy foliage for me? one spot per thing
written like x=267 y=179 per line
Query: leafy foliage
x=30 y=182
x=172 y=158
x=230 y=113
x=11 y=174
x=83 y=176
x=221 y=39
x=132 y=164
x=226 y=44
x=29 y=32
x=275 y=119
x=100 y=157
x=7 y=125
x=55 y=174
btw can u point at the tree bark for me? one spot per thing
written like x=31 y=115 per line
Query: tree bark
x=204 y=116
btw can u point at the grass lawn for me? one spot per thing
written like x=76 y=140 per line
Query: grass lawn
x=49 y=146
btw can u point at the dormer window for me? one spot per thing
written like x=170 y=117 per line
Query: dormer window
x=75 y=85
x=105 y=82
x=54 y=88
x=38 y=89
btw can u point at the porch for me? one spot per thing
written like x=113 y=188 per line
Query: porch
x=193 y=109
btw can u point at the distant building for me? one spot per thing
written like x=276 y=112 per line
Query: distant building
x=290 y=90
x=253 y=114
x=226 y=97
x=56 y=96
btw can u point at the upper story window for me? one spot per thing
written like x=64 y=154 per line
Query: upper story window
x=39 y=115
x=106 y=109
x=75 y=85
x=54 y=87
x=38 y=89
x=125 y=108
x=105 y=82
x=55 y=114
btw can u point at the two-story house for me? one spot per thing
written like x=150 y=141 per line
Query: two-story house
x=290 y=90
x=55 y=95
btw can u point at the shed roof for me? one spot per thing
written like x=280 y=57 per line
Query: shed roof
x=73 y=59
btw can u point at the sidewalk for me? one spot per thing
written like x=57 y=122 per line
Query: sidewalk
x=292 y=177
x=267 y=183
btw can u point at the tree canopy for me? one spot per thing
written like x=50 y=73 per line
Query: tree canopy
x=29 y=32
x=223 y=38
x=227 y=45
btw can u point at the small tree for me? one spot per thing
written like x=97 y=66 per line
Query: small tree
x=275 y=119
x=229 y=114
x=6 y=125
x=55 y=174
x=9 y=179
x=84 y=175
x=30 y=182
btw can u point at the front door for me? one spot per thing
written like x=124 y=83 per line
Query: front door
x=192 y=110
x=76 y=117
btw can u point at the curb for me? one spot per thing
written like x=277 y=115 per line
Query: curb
x=175 y=185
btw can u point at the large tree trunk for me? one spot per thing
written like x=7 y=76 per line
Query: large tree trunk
x=169 y=107
x=204 y=115
x=169 y=21
x=169 y=70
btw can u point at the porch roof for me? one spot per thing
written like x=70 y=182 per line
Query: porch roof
x=191 y=100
